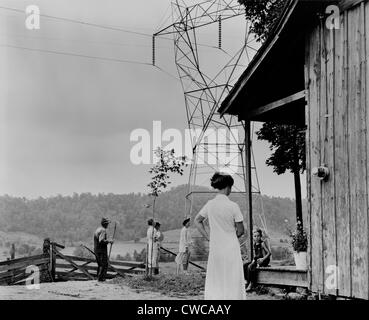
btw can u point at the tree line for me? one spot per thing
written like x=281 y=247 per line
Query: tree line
x=70 y=219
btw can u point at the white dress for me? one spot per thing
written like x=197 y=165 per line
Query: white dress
x=224 y=275
x=184 y=243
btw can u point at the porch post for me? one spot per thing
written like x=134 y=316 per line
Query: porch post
x=248 y=186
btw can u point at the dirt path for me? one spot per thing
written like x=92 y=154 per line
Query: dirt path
x=91 y=290
x=78 y=290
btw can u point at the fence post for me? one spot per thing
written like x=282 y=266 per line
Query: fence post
x=46 y=275
x=53 y=260
x=12 y=252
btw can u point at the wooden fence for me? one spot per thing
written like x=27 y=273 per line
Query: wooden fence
x=52 y=265
x=77 y=268
x=16 y=271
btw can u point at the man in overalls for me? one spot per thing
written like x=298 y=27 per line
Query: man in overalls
x=101 y=249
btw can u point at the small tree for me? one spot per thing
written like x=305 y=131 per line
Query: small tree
x=167 y=163
x=288 y=144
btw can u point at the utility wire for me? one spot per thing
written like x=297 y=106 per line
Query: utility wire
x=100 y=26
x=79 y=41
x=82 y=22
x=74 y=54
x=167 y=73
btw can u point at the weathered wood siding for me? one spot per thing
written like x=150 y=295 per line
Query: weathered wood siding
x=337 y=83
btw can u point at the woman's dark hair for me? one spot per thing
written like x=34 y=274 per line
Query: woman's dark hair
x=150 y=222
x=185 y=221
x=258 y=230
x=221 y=181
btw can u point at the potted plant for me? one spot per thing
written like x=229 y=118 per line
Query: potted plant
x=299 y=243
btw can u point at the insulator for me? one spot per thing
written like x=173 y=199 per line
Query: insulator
x=220 y=33
x=153 y=50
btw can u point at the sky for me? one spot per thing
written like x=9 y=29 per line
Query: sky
x=66 y=115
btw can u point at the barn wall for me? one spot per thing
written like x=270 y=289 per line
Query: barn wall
x=337 y=83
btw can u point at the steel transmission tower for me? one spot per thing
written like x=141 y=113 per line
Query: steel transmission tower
x=218 y=144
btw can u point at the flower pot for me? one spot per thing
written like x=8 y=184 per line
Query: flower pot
x=300 y=260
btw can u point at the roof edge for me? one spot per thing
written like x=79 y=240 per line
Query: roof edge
x=259 y=56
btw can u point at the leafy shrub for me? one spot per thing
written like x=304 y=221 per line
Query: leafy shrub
x=299 y=238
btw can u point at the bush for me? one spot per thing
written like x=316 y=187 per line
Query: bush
x=139 y=257
x=299 y=238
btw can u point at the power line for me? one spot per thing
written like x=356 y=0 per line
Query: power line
x=100 y=26
x=82 y=22
x=46 y=38
x=167 y=73
x=75 y=55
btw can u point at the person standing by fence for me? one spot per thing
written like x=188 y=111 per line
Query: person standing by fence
x=183 y=257
x=12 y=252
x=158 y=238
x=101 y=249
x=150 y=248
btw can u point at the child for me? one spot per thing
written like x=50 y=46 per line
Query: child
x=261 y=259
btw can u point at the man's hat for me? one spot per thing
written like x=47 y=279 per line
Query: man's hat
x=186 y=220
x=105 y=221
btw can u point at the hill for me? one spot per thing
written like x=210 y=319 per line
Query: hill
x=71 y=219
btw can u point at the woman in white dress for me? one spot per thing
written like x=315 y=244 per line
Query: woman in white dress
x=224 y=275
x=158 y=238
x=150 y=262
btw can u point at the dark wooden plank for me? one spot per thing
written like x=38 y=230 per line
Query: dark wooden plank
x=75 y=258
x=79 y=276
x=276 y=104
x=270 y=276
x=358 y=161
x=366 y=24
x=84 y=265
x=315 y=156
x=341 y=174
x=113 y=262
x=308 y=160
x=19 y=260
x=327 y=116
x=24 y=264
x=75 y=265
x=128 y=264
x=323 y=127
x=16 y=275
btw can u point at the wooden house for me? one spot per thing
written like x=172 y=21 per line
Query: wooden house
x=314 y=72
